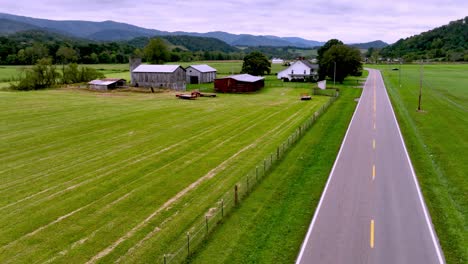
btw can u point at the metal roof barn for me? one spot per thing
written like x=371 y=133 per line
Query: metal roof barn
x=200 y=74
x=158 y=76
x=241 y=83
x=106 y=84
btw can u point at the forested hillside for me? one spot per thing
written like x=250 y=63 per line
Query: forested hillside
x=445 y=43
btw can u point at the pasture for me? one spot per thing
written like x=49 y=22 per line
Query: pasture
x=118 y=176
x=437 y=142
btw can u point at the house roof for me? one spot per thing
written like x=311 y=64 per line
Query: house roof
x=156 y=68
x=244 y=78
x=310 y=64
x=203 y=68
x=105 y=82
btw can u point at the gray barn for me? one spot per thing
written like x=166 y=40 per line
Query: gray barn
x=200 y=74
x=158 y=76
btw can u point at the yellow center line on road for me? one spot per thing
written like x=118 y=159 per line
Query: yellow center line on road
x=373 y=172
x=372 y=233
x=373 y=144
x=374 y=125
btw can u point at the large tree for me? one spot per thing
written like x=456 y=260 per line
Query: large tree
x=321 y=51
x=346 y=59
x=256 y=63
x=157 y=51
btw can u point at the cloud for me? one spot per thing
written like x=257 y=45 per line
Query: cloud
x=349 y=21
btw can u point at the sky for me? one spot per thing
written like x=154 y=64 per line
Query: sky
x=321 y=20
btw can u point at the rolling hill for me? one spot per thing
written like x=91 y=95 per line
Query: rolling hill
x=115 y=31
x=448 y=42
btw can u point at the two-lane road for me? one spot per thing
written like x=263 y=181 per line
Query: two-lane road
x=372 y=210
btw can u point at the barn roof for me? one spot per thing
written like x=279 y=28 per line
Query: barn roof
x=203 y=68
x=244 y=78
x=156 y=68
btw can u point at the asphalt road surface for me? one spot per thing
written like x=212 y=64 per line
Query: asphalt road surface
x=372 y=210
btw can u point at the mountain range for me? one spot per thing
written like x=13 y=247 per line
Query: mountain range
x=115 y=31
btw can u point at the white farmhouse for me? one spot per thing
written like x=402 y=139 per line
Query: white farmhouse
x=301 y=70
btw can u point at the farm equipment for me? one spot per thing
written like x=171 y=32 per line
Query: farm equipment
x=306 y=97
x=194 y=95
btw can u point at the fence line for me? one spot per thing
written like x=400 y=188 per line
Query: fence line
x=185 y=246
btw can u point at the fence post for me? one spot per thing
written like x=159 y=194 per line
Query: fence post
x=236 y=197
x=277 y=153
x=264 y=167
x=188 y=244
x=164 y=258
x=248 y=186
x=222 y=208
x=271 y=159
x=206 y=221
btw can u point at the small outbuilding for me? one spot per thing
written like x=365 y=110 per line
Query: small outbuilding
x=157 y=76
x=200 y=74
x=106 y=84
x=301 y=70
x=240 y=83
x=277 y=61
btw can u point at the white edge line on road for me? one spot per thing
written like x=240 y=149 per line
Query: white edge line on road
x=304 y=243
x=426 y=214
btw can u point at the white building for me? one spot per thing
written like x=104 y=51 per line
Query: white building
x=277 y=61
x=301 y=70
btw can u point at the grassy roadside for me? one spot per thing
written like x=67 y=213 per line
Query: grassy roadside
x=271 y=223
x=436 y=141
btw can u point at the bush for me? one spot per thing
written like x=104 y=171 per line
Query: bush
x=42 y=75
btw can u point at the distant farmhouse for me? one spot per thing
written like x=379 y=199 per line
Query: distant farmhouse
x=106 y=84
x=241 y=83
x=157 y=76
x=301 y=70
x=200 y=74
x=277 y=61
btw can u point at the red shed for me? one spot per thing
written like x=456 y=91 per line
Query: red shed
x=241 y=83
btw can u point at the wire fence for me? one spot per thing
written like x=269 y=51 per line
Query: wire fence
x=183 y=247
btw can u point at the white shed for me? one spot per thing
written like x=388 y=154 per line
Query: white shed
x=200 y=74
x=277 y=61
x=299 y=70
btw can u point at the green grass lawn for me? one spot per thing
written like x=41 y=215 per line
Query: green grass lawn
x=270 y=225
x=110 y=175
x=437 y=142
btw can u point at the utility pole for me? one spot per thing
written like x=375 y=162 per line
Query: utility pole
x=420 y=84
x=334 y=75
x=399 y=73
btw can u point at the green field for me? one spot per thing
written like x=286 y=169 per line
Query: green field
x=437 y=139
x=271 y=223
x=119 y=176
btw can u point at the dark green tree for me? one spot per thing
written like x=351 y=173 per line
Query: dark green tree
x=347 y=59
x=157 y=51
x=42 y=75
x=321 y=51
x=256 y=63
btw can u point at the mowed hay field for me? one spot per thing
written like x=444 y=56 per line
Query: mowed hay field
x=437 y=140
x=118 y=176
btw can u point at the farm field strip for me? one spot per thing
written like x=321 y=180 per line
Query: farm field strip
x=138 y=141
x=131 y=162
x=156 y=152
x=81 y=201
